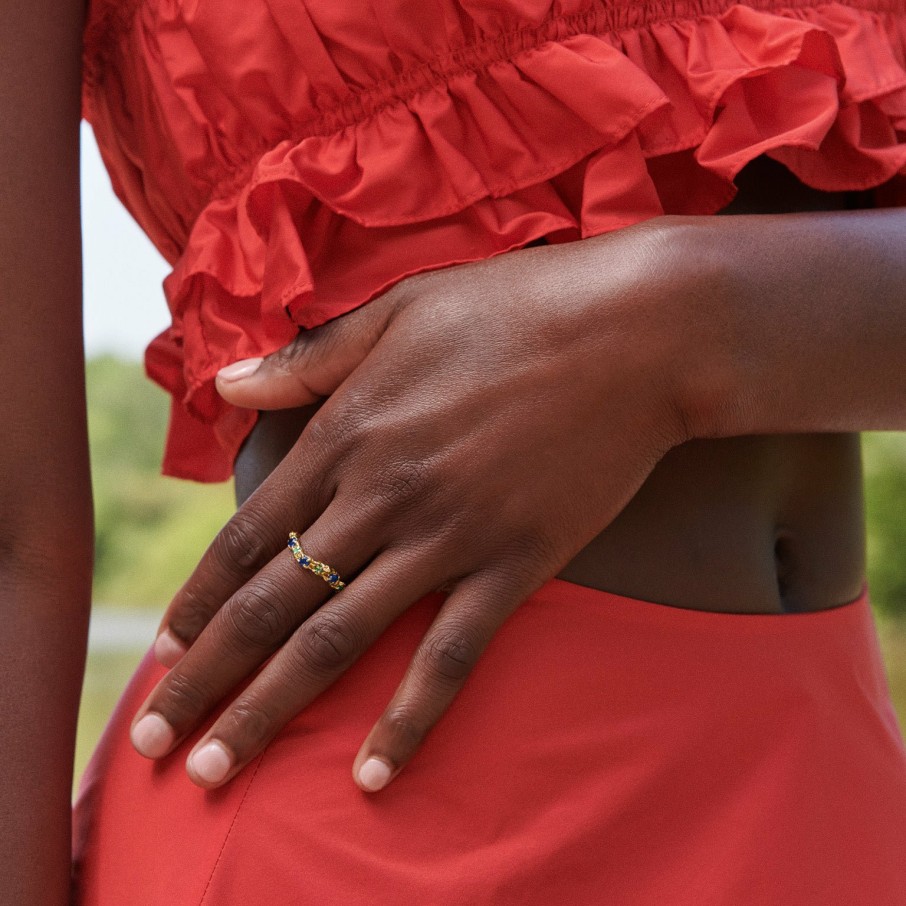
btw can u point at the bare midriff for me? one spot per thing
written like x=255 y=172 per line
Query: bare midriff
x=767 y=524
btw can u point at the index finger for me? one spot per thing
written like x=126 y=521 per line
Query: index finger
x=254 y=535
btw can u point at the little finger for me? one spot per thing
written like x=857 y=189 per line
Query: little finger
x=465 y=625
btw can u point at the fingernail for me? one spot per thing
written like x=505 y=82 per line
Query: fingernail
x=168 y=649
x=374 y=774
x=239 y=370
x=152 y=736
x=211 y=762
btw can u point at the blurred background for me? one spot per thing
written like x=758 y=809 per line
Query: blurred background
x=152 y=530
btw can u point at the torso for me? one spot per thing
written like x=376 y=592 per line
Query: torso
x=749 y=524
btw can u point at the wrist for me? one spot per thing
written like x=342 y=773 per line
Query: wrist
x=698 y=294
x=633 y=315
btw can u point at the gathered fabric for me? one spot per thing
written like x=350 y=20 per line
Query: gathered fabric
x=294 y=159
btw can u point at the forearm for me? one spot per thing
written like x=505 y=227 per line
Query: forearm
x=45 y=501
x=42 y=652
x=790 y=323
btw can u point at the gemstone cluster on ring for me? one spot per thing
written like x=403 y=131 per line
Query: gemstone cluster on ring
x=331 y=577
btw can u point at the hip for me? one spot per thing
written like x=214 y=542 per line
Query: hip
x=604 y=750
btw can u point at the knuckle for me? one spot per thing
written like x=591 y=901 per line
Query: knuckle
x=184 y=697
x=529 y=550
x=257 y=619
x=340 y=429
x=404 y=728
x=329 y=645
x=450 y=655
x=241 y=545
x=193 y=613
x=296 y=361
x=248 y=724
x=289 y=357
x=404 y=482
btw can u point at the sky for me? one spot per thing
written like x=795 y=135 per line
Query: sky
x=124 y=301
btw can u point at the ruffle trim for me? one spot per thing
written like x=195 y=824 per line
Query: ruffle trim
x=567 y=139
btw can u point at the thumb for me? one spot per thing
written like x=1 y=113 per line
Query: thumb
x=309 y=368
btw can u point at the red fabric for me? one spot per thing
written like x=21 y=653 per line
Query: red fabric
x=293 y=159
x=641 y=755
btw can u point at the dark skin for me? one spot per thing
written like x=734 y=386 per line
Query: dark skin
x=729 y=477
x=741 y=525
x=45 y=501
x=813 y=342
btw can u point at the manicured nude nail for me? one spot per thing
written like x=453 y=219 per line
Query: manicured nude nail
x=168 y=649
x=153 y=736
x=374 y=775
x=239 y=370
x=211 y=762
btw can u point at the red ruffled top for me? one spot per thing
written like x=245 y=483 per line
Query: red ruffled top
x=294 y=158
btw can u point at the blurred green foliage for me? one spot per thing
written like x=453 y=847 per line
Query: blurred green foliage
x=884 y=459
x=152 y=530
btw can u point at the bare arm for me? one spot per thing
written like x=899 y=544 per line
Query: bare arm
x=45 y=499
x=781 y=323
x=796 y=322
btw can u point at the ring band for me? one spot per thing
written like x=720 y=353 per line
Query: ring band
x=330 y=576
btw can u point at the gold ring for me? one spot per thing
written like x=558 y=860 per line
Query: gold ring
x=330 y=576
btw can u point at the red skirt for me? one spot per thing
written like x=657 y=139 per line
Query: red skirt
x=605 y=750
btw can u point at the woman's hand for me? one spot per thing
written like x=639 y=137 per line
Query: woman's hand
x=483 y=424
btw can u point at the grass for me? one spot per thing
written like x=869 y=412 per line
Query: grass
x=892 y=633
